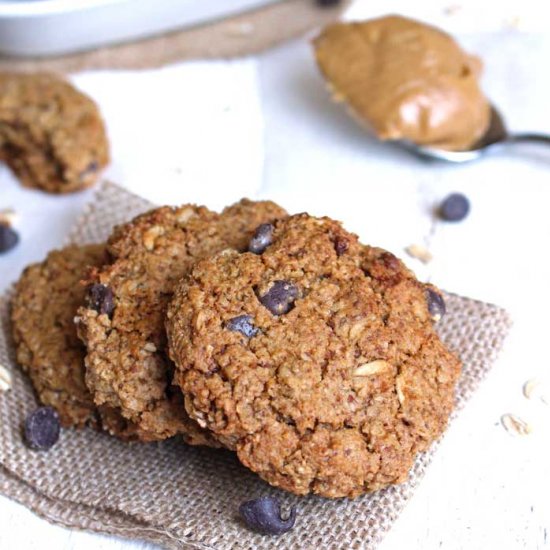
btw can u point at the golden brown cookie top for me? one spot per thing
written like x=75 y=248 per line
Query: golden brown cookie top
x=123 y=324
x=405 y=80
x=314 y=358
x=51 y=135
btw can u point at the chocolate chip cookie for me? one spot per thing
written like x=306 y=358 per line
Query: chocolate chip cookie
x=45 y=302
x=123 y=322
x=314 y=357
x=51 y=135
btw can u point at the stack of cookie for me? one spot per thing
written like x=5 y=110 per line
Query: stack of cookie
x=283 y=338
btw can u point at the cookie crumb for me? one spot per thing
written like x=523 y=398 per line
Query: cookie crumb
x=5 y=379
x=515 y=425
x=419 y=252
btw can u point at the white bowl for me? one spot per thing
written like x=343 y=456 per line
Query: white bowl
x=54 y=27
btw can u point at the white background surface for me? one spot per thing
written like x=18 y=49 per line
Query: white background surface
x=265 y=128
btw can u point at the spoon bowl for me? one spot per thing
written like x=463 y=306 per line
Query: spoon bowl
x=496 y=137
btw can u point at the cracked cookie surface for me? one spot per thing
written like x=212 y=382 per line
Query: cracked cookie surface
x=123 y=325
x=43 y=308
x=51 y=135
x=316 y=359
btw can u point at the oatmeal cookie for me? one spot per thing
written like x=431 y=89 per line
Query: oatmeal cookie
x=123 y=323
x=51 y=135
x=45 y=301
x=314 y=357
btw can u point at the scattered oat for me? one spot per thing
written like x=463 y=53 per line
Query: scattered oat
x=419 y=252
x=515 y=425
x=8 y=216
x=5 y=379
x=534 y=389
x=149 y=346
x=374 y=367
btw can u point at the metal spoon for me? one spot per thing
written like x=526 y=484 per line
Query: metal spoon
x=496 y=137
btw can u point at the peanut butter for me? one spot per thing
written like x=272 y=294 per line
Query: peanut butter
x=406 y=80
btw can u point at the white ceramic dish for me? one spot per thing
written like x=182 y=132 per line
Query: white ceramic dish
x=54 y=27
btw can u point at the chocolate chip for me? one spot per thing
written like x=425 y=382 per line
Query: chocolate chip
x=263 y=237
x=327 y=3
x=42 y=428
x=454 y=208
x=8 y=238
x=340 y=245
x=264 y=515
x=100 y=298
x=280 y=297
x=243 y=324
x=436 y=304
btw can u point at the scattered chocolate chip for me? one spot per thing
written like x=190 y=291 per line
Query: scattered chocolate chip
x=264 y=515
x=262 y=238
x=100 y=298
x=436 y=304
x=280 y=297
x=8 y=238
x=243 y=324
x=454 y=208
x=327 y=3
x=341 y=244
x=42 y=428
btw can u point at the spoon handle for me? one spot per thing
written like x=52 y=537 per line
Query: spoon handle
x=532 y=138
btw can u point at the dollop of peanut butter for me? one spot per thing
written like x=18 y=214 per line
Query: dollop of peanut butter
x=406 y=80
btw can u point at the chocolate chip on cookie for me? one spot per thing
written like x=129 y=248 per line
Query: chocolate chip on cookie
x=100 y=298
x=341 y=392
x=280 y=297
x=261 y=239
x=243 y=324
x=436 y=304
x=340 y=245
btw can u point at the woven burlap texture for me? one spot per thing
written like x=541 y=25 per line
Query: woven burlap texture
x=236 y=36
x=185 y=497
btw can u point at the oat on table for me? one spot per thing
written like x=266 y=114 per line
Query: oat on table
x=315 y=358
x=51 y=135
x=123 y=323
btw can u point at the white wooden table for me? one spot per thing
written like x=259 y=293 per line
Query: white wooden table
x=265 y=128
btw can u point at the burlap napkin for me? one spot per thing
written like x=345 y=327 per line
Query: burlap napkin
x=235 y=36
x=186 y=497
